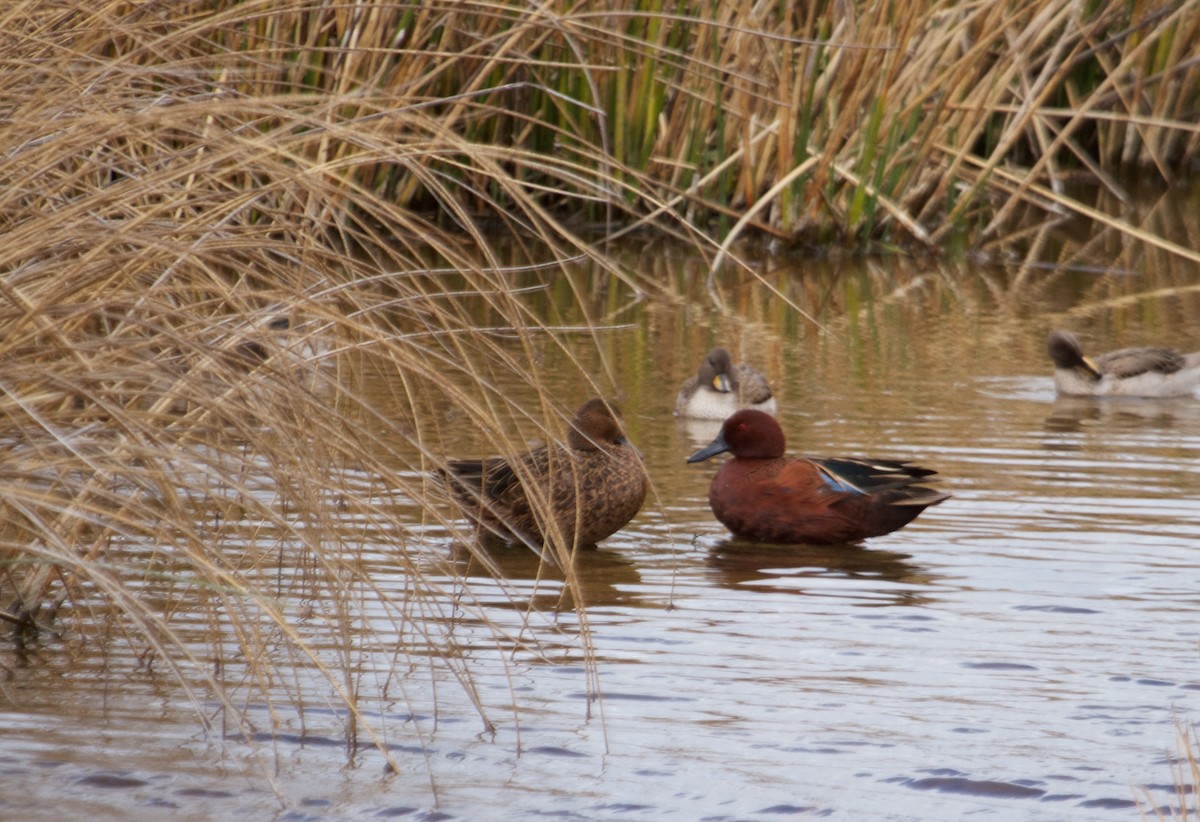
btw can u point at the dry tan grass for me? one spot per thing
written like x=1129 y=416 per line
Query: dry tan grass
x=165 y=441
x=832 y=123
x=1185 y=774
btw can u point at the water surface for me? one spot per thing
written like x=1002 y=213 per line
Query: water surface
x=1022 y=651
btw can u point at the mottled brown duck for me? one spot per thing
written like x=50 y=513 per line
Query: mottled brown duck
x=590 y=488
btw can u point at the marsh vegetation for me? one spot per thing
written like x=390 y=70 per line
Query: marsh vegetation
x=263 y=260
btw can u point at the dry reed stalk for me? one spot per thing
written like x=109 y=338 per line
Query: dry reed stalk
x=1185 y=773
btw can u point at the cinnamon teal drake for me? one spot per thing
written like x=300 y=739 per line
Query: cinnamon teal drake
x=763 y=495
x=1130 y=372
x=720 y=388
x=593 y=486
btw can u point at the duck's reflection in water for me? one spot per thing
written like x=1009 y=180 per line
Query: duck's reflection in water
x=699 y=432
x=601 y=576
x=1071 y=415
x=851 y=571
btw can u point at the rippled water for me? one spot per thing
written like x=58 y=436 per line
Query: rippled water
x=1021 y=651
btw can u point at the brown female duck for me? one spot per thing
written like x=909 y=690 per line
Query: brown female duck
x=592 y=487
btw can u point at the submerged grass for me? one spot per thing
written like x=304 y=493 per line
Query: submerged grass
x=215 y=213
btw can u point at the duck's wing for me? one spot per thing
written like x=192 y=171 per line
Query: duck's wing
x=685 y=393
x=868 y=477
x=752 y=385
x=469 y=478
x=1130 y=362
x=490 y=477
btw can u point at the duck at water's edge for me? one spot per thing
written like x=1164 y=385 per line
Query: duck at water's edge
x=720 y=387
x=1129 y=372
x=593 y=486
x=763 y=495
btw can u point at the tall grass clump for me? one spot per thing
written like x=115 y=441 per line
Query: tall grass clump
x=829 y=123
x=194 y=280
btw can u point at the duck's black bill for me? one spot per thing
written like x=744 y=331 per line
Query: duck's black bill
x=717 y=446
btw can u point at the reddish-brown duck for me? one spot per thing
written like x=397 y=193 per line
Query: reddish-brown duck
x=761 y=494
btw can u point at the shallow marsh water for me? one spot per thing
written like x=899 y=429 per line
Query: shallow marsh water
x=1022 y=651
